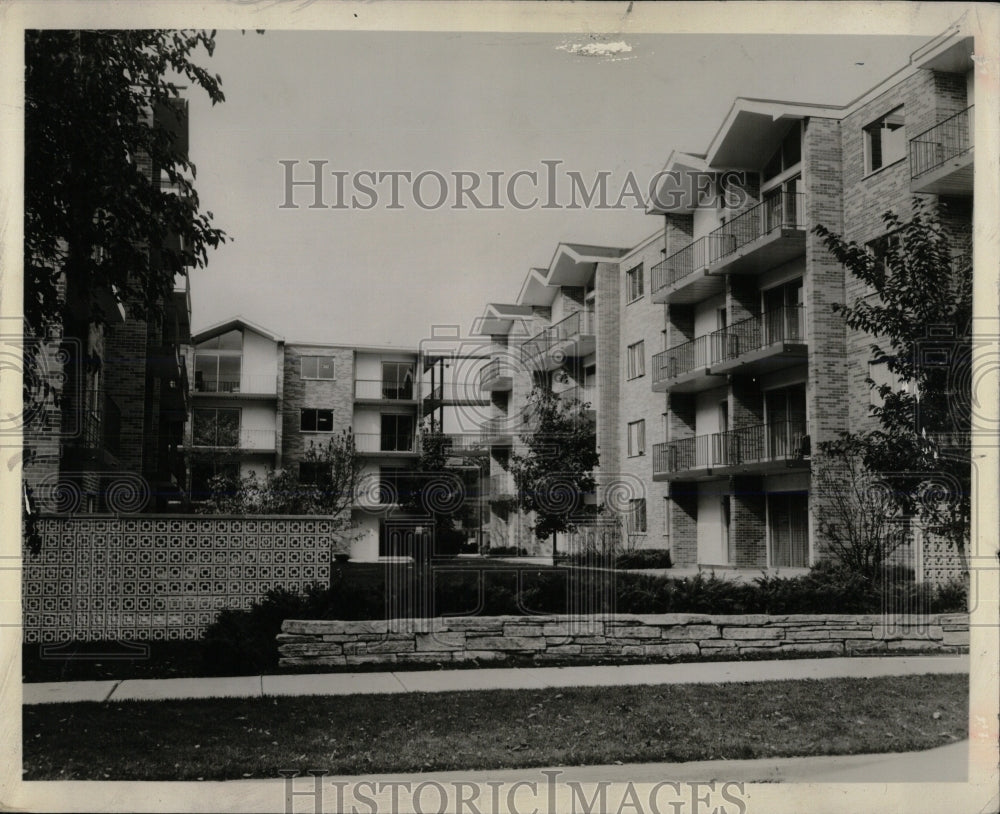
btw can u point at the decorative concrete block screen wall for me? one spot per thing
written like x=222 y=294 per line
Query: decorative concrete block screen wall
x=304 y=643
x=146 y=577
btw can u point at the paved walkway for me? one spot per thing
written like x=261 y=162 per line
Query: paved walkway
x=511 y=678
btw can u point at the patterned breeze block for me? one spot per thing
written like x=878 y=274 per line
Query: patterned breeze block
x=162 y=576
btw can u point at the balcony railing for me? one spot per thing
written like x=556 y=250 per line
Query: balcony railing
x=681 y=359
x=680 y=264
x=683 y=455
x=223 y=437
x=492 y=373
x=760 y=443
x=372 y=442
x=779 y=210
x=783 y=324
x=757 y=444
x=376 y=389
x=102 y=423
x=579 y=323
x=941 y=143
x=256 y=383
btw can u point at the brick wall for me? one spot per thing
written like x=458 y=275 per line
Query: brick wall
x=298 y=393
x=312 y=643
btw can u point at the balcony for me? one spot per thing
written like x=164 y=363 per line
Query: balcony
x=242 y=439
x=765 y=236
x=377 y=390
x=375 y=443
x=571 y=337
x=246 y=385
x=497 y=432
x=761 y=344
x=496 y=377
x=754 y=450
x=683 y=276
x=941 y=158
x=465 y=444
x=685 y=368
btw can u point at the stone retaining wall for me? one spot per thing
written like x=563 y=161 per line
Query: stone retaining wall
x=625 y=637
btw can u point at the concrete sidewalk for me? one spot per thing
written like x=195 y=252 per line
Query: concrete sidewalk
x=513 y=678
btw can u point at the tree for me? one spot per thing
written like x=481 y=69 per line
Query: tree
x=556 y=472
x=334 y=471
x=110 y=206
x=920 y=318
x=863 y=523
x=438 y=488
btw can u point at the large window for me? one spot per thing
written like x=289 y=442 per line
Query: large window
x=317 y=367
x=217 y=363
x=885 y=141
x=397 y=380
x=637 y=516
x=637 y=360
x=786 y=156
x=216 y=427
x=314 y=473
x=397 y=433
x=634 y=283
x=314 y=420
x=637 y=438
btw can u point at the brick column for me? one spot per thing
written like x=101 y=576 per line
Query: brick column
x=683 y=523
x=747 y=522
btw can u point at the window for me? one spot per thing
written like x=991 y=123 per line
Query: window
x=216 y=427
x=313 y=473
x=397 y=433
x=395 y=485
x=397 y=380
x=885 y=141
x=786 y=156
x=313 y=420
x=633 y=283
x=317 y=367
x=637 y=438
x=881 y=376
x=637 y=360
x=637 y=516
x=217 y=363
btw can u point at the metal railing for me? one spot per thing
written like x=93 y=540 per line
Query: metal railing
x=383 y=390
x=778 y=210
x=246 y=383
x=759 y=443
x=579 y=323
x=216 y=436
x=369 y=442
x=941 y=143
x=496 y=369
x=784 y=324
x=680 y=264
x=681 y=359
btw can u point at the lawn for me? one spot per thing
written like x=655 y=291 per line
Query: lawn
x=237 y=738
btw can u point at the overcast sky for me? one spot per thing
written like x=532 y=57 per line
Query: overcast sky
x=458 y=102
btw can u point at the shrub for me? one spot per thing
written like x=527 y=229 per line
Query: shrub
x=507 y=551
x=644 y=558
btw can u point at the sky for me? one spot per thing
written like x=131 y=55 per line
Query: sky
x=445 y=103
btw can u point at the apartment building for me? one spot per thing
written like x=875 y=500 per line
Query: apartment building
x=562 y=334
x=718 y=359
x=260 y=402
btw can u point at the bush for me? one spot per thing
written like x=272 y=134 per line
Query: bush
x=644 y=558
x=244 y=640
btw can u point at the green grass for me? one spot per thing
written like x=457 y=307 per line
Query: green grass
x=235 y=738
